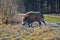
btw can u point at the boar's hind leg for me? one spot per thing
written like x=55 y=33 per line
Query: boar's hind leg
x=44 y=22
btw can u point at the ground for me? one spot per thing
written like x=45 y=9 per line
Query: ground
x=19 y=32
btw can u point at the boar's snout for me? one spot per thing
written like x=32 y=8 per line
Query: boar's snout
x=23 y=23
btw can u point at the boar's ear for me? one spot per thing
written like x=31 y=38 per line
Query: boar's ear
x=26 y=15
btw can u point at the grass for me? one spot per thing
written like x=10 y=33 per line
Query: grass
x=43 y=33
x=52 y=18
x=17 y=32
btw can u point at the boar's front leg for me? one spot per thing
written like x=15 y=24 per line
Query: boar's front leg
x=39 y=23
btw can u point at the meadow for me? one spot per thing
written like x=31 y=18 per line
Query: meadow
x=52 y=18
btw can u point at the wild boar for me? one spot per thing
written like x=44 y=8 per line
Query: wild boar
x=31 y=17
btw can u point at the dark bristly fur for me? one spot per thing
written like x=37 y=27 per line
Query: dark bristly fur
x=31 y=17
